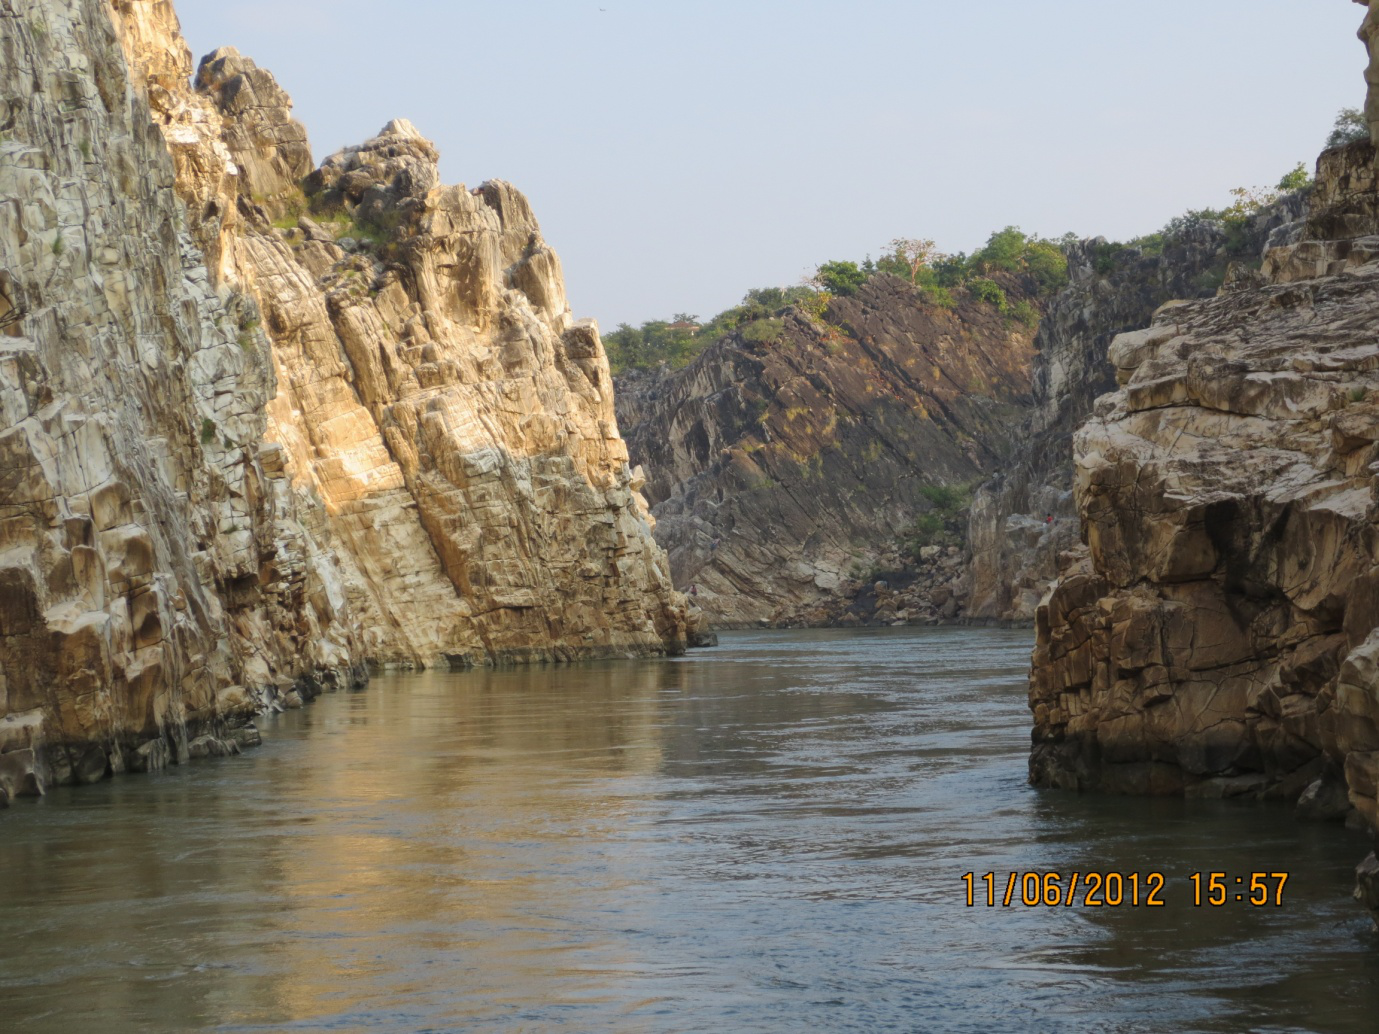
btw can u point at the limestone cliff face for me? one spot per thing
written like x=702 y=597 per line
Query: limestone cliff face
x=243 y=452
x=1219 y=635
x=779 y=471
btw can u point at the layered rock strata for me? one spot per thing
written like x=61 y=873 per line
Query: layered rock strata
x=1218 y=636
x=782 y=472
x=245 y=451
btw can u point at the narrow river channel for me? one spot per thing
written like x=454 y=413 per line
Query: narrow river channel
x=769 y=836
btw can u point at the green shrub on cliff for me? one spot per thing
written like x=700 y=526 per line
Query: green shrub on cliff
x=936 y=275
x=946 y=498
x=841 y=277
x=944 y=524
x=1012 y=251
x=989 y=291
x=1242 y=237
x=1297 y=179
x=1025 y=313
x=941 y=297
x=763 y=331
x=1350 y=127
x=758 y=318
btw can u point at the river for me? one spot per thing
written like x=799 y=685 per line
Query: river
x=769 y=836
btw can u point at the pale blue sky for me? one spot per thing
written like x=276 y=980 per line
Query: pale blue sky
x=677 y=154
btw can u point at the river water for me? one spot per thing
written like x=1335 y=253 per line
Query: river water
x=769 y=836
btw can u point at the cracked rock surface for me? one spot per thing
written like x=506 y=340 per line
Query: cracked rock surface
x=1218 y=634
x=264 y=424
x=780 y=472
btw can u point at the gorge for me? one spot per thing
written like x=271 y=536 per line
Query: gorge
x=273 y=427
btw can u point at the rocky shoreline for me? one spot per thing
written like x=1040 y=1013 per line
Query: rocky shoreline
x=1217 y=634
x=266 y=423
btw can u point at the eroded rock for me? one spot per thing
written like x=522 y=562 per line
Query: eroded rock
x=1218 y=631
x=781 y=472
x=238 y=460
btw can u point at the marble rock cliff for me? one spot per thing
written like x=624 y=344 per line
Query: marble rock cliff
x=1014 y=549
x=262 y=424
x=781 y=471
x=1220 y=633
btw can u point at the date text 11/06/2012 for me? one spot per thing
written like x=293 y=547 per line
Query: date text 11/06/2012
x=1116 y=889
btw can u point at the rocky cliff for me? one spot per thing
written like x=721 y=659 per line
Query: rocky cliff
x=1220 y=633
x=1014 y=548
x=262 y=424
x=781 y=472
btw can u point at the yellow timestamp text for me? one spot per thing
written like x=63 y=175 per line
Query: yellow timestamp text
x=1118 y=889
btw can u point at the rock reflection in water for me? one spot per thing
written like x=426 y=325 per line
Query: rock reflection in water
x=764 y=837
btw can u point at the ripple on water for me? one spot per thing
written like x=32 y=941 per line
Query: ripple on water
x=764 y=837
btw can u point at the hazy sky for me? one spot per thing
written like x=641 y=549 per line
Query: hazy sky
x=679 y=153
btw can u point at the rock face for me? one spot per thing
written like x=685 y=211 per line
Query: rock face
x=1369 y=35
x=243 y=452
x=780 y=472
x=1219 y=634
x=1015 y=548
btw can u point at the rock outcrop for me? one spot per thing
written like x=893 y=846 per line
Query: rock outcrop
x=780 y=473
x=1220 y=633
x=1369 y=35
x=252 y=440
x=1014 y=546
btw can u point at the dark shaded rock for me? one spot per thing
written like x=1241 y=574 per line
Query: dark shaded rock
x=1325 y=800
x=211 y=747
x=1367 y=885
x=21 y=774
x=780 y=471
x=1023 y=520
x=245 y=736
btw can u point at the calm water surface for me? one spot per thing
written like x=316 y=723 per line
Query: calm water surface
x=765 y=837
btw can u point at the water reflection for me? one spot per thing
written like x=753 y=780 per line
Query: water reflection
x=760 y=838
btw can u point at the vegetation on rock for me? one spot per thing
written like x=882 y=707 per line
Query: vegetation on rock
x=944 y=524
x=1243 y=239
x=1350 y=127
x=937 y=279
x=678 y=340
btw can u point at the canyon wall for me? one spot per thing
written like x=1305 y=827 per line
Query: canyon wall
x=1014 y=548
x=262 y=424
x=1218 y=633
x=1369 y=35
x=783 y=474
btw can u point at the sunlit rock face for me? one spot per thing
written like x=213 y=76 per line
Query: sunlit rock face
x=158 y=581
x=435 y=395
x=244 y=452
